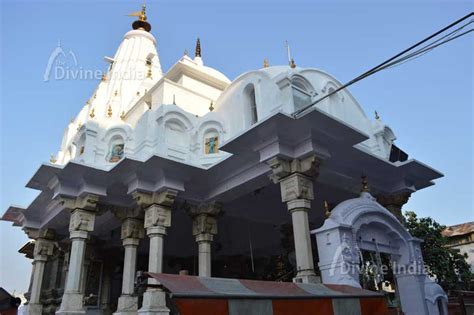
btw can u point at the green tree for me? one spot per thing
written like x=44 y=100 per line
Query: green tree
x=445 y=263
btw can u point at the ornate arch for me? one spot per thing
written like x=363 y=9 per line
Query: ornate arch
x=363 y=224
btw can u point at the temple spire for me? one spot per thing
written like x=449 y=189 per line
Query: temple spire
x=197 y=51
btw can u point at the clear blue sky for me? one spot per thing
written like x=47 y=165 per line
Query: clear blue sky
x=427 y=102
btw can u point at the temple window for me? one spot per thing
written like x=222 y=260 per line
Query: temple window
x=301 y=92
x=116 y=151
x=251 y=103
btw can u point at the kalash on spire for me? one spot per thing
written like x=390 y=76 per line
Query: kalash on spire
x=141 y=23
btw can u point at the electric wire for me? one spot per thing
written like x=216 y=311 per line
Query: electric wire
x=394 y=60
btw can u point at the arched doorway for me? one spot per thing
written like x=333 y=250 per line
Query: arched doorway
x=361 y=224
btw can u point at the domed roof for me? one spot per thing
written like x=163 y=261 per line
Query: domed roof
x=197 y=68
x=214 y=73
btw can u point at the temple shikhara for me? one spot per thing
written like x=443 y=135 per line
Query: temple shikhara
x=185 y=192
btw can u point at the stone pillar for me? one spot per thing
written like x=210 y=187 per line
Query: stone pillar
x=157 y=219
x=394 y=203
x=204 y=228
x=43 y=248
x=80 y=225
x=132 y=232
x=296 y=184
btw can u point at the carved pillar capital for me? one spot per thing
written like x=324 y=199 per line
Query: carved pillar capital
x=132 y=229
x=157 y=219
x=43 y=249
x=81 y=223
x=204 y=224
x=296 y=186
x=395 y=199
x=394 y=203
x=205 y=219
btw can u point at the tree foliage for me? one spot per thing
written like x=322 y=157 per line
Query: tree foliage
x=447 y=264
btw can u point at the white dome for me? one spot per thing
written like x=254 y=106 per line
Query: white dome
x=214 y=73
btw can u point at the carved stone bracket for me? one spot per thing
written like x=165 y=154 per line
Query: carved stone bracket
x=282 y=168
x=165 y=198
x=32 y=233
x=127 y=213
x=86 y=202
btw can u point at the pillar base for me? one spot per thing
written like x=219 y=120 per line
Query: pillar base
x=127 y=305
x=72 y=304
x=33 y=309
x=154 y=303
x=306 y=276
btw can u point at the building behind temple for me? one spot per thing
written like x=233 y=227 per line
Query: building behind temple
x=184 y=170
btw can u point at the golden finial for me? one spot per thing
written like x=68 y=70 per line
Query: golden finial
x=211 y=107
x=95 y=96
x=92 y=113
x=292 y=63
x=104 y=77
x=327 y=212
x=197 y=51
x=142 y=16
x=109 y=111
x=377 y=115
x=115 y=93
x=265 y=63
x=88 y=102
x=141 y=23
x=79 y=125
x=149 y=73
x=52 y=159
x=365 y=184
x=122 y=116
